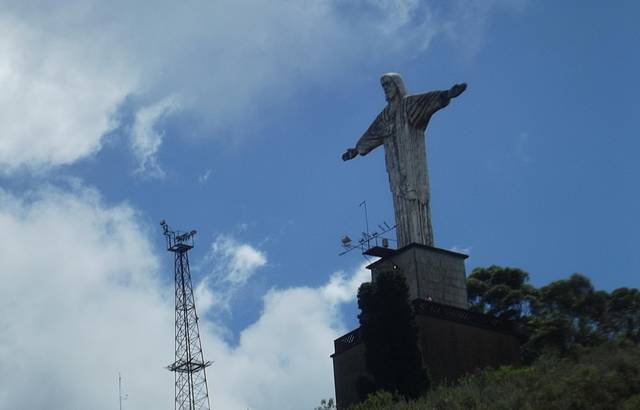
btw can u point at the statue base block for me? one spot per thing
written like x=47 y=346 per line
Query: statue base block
x=432 y=274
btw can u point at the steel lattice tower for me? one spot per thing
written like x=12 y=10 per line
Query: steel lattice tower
x=191 y=389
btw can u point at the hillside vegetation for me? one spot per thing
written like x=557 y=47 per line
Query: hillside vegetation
x=602 y=377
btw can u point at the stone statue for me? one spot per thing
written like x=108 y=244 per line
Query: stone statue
x=400 y=127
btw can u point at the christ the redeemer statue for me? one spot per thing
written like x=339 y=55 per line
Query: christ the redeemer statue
x=400 y=127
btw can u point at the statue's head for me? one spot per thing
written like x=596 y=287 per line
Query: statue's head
x=393 y=86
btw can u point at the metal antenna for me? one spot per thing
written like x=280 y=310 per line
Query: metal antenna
x=366 y=221
x=120 y=389
x=191 y=391
x=364 y=243
x=120 y=397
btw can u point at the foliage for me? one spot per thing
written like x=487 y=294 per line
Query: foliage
x=623 y=311
x=390 y=335
x=500 y=292
x=599 y=378
x=568 y=313
x=559 y=316
x=326 y=405
x=379 y=399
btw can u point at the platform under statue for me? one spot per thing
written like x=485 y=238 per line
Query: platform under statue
x=453 y=341
x=431 y=273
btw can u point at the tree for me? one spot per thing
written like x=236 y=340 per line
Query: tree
x=390 y=335
x=623 y=314
x=569 y=312
x=501 y=292
x=559 y=316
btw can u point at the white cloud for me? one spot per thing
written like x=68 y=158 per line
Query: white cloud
x=146 y=139
x=79 y=302
x=461 y=249
x=282 y=361
x=341 y=289
x=234 y=263
x=58 y=93
x=82 y=300
x=67 y=67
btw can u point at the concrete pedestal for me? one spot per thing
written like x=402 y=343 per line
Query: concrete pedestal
x=432 y=273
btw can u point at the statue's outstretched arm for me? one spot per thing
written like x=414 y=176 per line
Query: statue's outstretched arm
x=350 y=153
x=372 y=138
x=457 y=89
x=420 y=107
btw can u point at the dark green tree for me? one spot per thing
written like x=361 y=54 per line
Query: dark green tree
x=390 y=335
x=558 y=316
x=501 y=292
x=568 y=312
x=623 y=314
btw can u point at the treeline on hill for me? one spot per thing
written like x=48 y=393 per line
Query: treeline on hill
x=559 y=316
x=581 y=346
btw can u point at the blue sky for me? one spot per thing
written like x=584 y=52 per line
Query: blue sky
x=230 y=118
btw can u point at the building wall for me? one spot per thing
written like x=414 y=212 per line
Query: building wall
x=453 y=342
x=451 y=349
x=348 y=366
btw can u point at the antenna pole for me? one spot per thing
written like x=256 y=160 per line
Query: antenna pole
x=120 y=389
x=366 y=221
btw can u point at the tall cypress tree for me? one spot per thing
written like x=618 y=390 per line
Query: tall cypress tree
x=390 y=335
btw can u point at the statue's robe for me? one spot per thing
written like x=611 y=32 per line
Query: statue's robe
x=400 y=127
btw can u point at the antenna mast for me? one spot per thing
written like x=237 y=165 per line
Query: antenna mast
x=366 y=223
x=120 y=396
x=364 y=243
x=120 y=389
x=191 y=389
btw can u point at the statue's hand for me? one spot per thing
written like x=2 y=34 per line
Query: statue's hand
x=349 y=154
x=457 y=89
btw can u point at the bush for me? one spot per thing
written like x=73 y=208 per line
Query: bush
x=379 y=400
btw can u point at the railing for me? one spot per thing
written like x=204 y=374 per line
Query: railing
x=347 y=341
x=429 y=308
x=434 y=309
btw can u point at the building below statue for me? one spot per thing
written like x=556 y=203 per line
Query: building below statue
x=432 y=273
x=453 y=341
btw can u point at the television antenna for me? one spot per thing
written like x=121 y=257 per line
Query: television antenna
x=368 y=238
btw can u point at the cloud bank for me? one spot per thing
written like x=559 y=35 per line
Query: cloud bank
x=68 y=67
x=59 y=91
x=83 y=298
